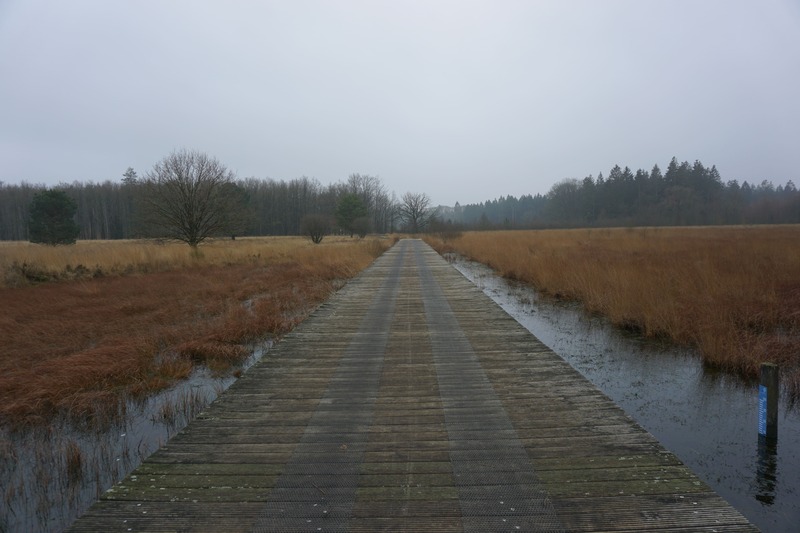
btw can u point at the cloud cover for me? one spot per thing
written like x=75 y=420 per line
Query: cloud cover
x=463 y=100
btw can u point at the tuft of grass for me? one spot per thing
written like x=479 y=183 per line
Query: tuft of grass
x=73 y=457
x=80 y=348
x=731 y=292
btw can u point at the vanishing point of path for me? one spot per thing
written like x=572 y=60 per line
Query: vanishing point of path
x=411 y=402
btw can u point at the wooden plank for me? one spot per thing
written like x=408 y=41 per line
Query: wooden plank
x=411 y=402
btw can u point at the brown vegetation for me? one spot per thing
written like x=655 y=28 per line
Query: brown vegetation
x=80 y=347
x=731 y=292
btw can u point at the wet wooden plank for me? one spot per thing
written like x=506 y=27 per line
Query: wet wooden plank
x=469 y=424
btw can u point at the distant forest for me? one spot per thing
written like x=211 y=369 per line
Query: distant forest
x=685 y=194
x=108 y=210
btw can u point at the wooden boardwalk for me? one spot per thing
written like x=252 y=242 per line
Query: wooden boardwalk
x=411 y=402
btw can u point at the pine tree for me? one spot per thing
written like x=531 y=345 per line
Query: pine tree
x=52 y=218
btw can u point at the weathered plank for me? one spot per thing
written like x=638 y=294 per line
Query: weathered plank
x=411 y=402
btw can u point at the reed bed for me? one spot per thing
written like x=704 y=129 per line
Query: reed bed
x=731 y=292
x=147 y=314
x=24 y=263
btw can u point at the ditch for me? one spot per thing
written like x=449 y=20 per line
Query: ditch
x=706 y=417
x=50 y=475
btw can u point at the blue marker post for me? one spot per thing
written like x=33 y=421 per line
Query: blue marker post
x=768 y=402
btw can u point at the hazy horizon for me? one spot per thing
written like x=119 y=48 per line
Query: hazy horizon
x=465 y=101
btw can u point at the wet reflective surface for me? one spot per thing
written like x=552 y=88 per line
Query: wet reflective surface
x=49 y=476
x=708 y=419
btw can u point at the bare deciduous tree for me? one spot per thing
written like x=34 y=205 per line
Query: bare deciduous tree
x=189 y=196
x=374 y=196
x=415 y=211
x=316 y=227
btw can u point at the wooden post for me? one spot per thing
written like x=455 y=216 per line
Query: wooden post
x=767 y=470
x=768 y=401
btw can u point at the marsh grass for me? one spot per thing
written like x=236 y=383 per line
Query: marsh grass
x=81 y=346
x=89 y=353
x=731 y=292
x=185 y=407
x=73 y=461
x=24 y=263
x=49 y=474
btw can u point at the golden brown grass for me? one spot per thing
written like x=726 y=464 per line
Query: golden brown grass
x=81 y=347
x=24 y=263
x=732 y=292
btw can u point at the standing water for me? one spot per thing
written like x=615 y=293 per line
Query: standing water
x=707 y=418
x=50 y=475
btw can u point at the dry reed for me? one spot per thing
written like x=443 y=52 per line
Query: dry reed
x=24 y=263
x=731 y=292
x=79 y=348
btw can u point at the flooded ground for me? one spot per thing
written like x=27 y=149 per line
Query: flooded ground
x=49 y=476
x=708 y=419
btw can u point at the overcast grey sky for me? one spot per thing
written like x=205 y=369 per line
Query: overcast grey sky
x=463 y=100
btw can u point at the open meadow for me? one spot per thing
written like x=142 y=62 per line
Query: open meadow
x=87 y=327
x=731 y=292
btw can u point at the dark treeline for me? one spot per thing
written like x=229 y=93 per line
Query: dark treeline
x=686 y=194
x=108 y=210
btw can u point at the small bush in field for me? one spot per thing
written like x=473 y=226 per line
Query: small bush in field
x=315 y=227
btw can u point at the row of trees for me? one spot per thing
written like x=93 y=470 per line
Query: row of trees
x=686 y=194
x=190 y=196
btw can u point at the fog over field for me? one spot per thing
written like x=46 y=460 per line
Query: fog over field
x=463 y=100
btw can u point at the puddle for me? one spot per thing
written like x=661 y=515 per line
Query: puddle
x=50 y=476
x=708 y=419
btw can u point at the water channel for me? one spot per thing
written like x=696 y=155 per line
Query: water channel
x=49 y=476
x=708 y=419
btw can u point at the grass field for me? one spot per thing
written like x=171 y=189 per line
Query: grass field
x=731 y=292
x=24 y=263
x=86 y=326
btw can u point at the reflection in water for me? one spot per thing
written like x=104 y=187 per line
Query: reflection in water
x=708 y=418
x=49 y=476
x=767 y=470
